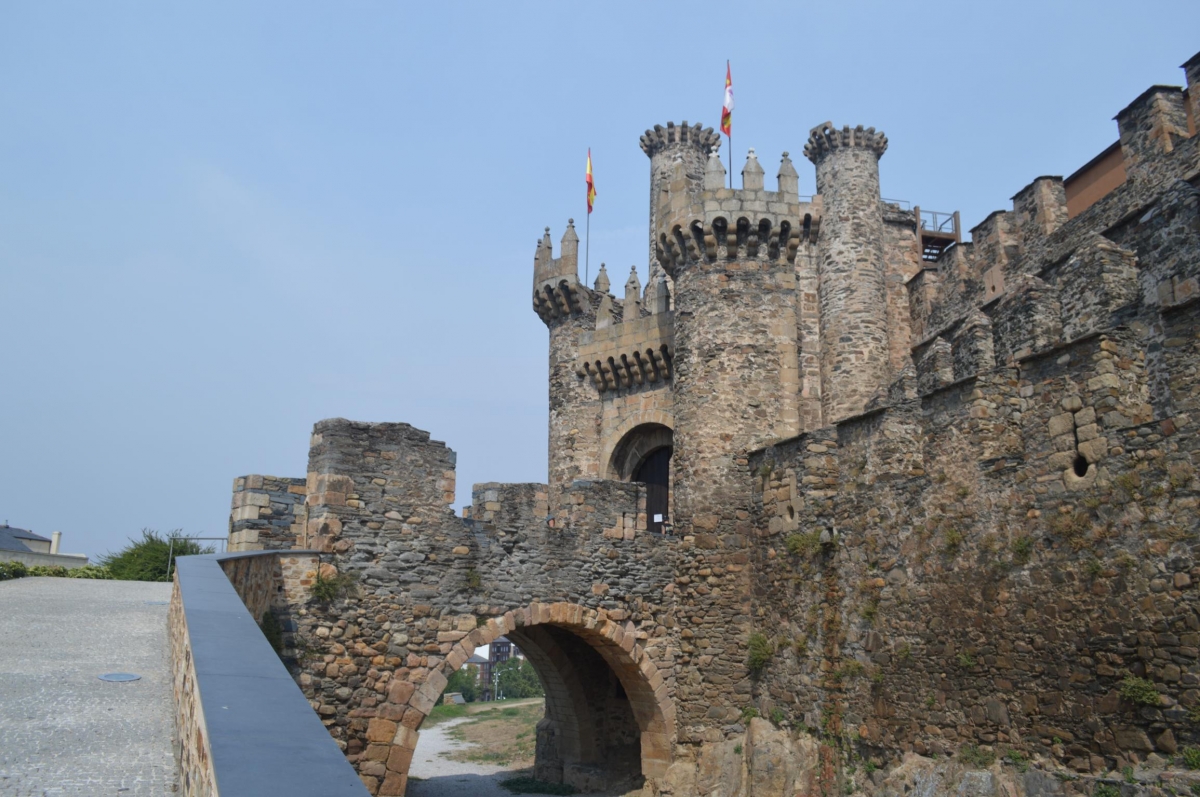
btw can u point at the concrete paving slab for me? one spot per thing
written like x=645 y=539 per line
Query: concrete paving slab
x=63 y=731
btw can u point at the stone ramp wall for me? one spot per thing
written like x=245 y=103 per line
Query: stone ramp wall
x=243 y=725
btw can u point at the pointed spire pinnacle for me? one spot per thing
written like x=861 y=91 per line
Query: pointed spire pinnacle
x=633 y=295
x=570 y=248
x=602 y=283
x=752 y=173
x=662 y=294
x=604 y=317
x=714 y=171
x=569 y=234
x=789 y=181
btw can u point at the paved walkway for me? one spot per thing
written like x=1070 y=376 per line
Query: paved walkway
x=62 y=730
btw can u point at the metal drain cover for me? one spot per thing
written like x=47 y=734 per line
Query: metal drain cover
x=120 y=676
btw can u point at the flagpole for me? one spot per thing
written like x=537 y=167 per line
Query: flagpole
x=731 y=154
x=587 y=247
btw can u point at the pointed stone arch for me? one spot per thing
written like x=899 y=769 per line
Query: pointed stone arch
x=409 y=702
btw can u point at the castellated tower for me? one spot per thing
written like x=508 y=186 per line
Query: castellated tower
x=665 y=145
x=567 y=309
x=732 y=256
x=854 y=333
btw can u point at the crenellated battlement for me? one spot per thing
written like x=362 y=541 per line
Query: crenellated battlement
x=658 y=138
x=825 y=138
x=1046 y=275
x=713 y=222
x=556 y=289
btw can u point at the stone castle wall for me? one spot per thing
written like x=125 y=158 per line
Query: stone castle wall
x=916 y=506
x=268 y=513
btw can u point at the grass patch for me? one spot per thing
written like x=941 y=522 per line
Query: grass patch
x=528 y=785
x=1190 y=756
x=1139 y=690
x=1018 y=760
x=1106 y=790
x=499 y=734
x=974 y=757
x=445 y=711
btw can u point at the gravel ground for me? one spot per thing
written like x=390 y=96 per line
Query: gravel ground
x=62 y=730
x=441 y=777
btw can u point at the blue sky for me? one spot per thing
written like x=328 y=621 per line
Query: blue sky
x=222 y=222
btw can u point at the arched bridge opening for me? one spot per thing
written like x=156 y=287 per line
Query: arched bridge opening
x=608 y=723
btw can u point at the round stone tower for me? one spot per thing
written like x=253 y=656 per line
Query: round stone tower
x=664 y=146
x=852 y=293
x=568 y=310
x=736 y=370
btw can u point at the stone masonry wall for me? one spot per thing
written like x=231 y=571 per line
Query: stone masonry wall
x=1030 y=546
x=853 y=289
x=268 y=513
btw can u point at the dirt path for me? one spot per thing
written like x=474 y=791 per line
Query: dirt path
x=441 y=777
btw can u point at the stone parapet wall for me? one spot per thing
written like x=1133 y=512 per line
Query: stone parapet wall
x=242 y=724
x=268 y=513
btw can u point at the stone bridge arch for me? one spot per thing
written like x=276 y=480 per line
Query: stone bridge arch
x=564 y=642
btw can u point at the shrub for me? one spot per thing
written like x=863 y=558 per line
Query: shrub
x=804 y=544
x=1191 y=757
x=473 y=579
x=1127 y=773
x=517 y=678
x=749 y=713
x=966 y=661
x=146 y=559
x=10 y=570
x=329 y=588
x=1106 y=790
x=1018 y=760
x=760 y=652
x=1022 y=547
x=465 y=682
x=777 y=716
x=974 y=757
x=1139 y=690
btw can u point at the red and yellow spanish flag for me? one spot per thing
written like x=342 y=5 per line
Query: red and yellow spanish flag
x=727 y=108
x=591 y=184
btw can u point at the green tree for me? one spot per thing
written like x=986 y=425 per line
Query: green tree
x=146 y=559
x=517 y=678
x=466 y=682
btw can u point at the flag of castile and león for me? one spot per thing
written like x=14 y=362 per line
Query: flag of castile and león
x=727 y=108
x=591 y=183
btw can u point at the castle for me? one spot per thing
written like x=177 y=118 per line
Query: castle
x=834 y=487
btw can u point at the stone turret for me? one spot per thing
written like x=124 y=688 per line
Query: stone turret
x=731 y=254
x=569 y=310
x=665 y=146
x=852 y=293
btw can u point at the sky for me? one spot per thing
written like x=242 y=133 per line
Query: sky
x=221 y=222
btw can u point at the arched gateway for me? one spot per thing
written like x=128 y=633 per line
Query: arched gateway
x=608 y=721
